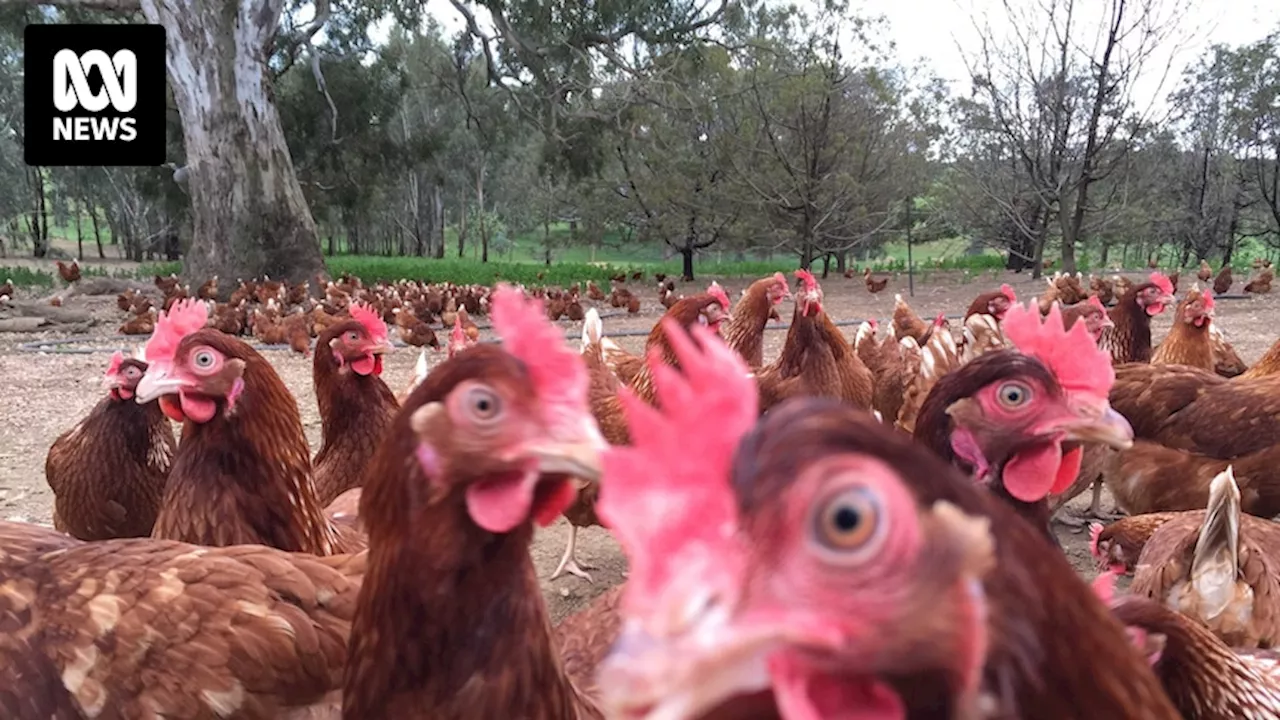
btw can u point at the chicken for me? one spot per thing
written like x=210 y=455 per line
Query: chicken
x=1267 y=365
x=242 y=473
x=1190 y=424
x=995 y=304
x=906 y=323
x=1015 y=420
x=1222 y=283
x=420 y=372
x=1217 y=571
x=1205 y=679
x=1188 y=341
x=208 y=290
x=1094 y=315
x=143 y=324
x=816 y=359
x=921 y=369
x=1117 y=546
x=108 y=472
x=6 y=290
x=155 y=628
x=356 y=406
x=1102 y=288
x=830 y=569
x=1129 y=339
x=459 y=339
x=1226 y=361
x=1205 y=274
x=874 y=284
x=1262 y=283
x=69 y=273
x=491 y=443
x=981 y=334
x=709 y=309
x=744 y=331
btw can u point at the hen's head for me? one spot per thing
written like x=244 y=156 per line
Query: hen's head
x=778 y=288
x=793 y=580
x=123 y=376
x=809 y=297
x=1155 y=294
x=458 y=340
x=359 y=343
x=1000 y=304
x=716 y=312
x=1095 y=318
x=191 y=370
x=1024 y=414
x=505 y=430
x=1197 y=307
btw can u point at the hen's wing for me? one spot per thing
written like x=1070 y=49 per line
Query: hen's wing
x=584 y=639
x=1198 y=411
x=153 y=628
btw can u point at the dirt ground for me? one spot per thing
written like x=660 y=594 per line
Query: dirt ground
x=48 y=392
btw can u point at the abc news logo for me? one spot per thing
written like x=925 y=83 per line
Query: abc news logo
x=95 y=94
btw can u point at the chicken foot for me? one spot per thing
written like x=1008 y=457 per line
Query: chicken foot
x=569 y=563
x=1094 y=513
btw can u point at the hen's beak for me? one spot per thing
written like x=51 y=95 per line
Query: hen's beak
x=110 y=382
x=1109 y=428
x=381 y=347
x=575 y=449
x=156 y=383
x=684 y=676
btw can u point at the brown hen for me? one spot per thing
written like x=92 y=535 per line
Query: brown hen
x=109 y=471
x=155 y=628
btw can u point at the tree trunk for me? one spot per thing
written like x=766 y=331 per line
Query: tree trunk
x=97 y=230
x=686 y=268
x=842 y=261
x=437 y=205
x=249 y=215
x=79 y=237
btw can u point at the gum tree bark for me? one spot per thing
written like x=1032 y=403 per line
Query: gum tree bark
x=250 y=216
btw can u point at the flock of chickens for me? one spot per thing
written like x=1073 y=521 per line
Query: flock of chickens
x=862 y=529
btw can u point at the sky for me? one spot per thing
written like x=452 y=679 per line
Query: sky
x=939 y=33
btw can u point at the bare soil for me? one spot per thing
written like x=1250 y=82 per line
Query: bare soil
x=49 y=391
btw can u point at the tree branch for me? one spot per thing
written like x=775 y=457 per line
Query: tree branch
x=107 y=5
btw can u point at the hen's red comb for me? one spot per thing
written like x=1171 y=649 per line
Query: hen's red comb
x=1207 y=296
x=557 y=372
x=373 y=324
x=807 y=278
x=781 y=279
x=1162 y=281
x=185 y=317
x=1009 y=293
x=717 y=292
x=668 y=506
x=1072 y=356
x=1094 y=301
x=114 y=366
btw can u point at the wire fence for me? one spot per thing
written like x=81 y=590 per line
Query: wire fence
x=77 y=345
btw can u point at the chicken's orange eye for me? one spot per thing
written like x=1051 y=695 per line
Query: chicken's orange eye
x=1013 y=395
x=850 y=520
x=483 y=404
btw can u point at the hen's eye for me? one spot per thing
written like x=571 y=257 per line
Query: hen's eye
x=204 y=359
x=849 y=520
x=353 y=336
x=484 y=404
x=132 y=373
x=1013 y=395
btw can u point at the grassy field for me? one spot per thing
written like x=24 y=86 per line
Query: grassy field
x=520 y=258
